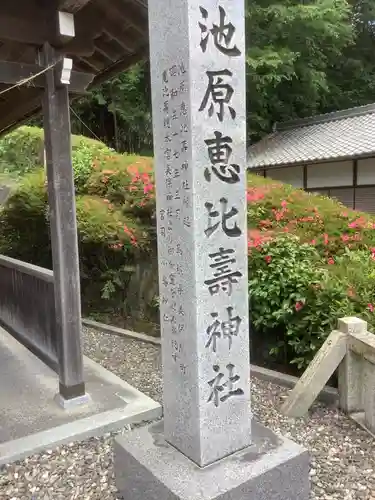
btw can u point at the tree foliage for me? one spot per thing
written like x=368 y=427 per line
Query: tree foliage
x=303 y=57
x=290 y=47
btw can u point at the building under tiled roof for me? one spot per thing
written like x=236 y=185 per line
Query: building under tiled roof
x=345 y=134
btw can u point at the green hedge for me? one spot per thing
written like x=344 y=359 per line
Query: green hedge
x=115 y=231
x=311 y=260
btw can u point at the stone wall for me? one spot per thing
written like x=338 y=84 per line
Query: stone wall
x=134 y=305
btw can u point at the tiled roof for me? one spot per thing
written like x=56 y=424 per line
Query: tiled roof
x=348 y=133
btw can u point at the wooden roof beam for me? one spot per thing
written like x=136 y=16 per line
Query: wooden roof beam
x=72 y=6
x=10 y=114
x=24 y=30
x=121 y=38
x=34 y=29
x=12 y=73
x=127 y=17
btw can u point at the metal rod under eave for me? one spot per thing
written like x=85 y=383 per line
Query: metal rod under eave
x=63 y=233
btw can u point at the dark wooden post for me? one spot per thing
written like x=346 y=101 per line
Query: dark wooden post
x=63 y=231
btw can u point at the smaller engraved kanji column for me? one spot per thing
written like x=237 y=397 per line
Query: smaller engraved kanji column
x=198 y=93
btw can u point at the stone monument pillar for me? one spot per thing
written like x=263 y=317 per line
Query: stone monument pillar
x=198 y=91
x=197 y=50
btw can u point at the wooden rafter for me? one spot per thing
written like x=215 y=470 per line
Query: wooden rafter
x=129 y=16
x=110 y=35
x=72 y=6
x=106 y=50
x=24 y=30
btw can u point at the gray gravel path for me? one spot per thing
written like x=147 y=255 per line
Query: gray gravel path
x=343 y=455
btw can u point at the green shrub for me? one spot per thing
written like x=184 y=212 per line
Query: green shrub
x=295 y=291
x=82 y=166
x=311 y=260
x=24 y=233
x=21 y=151
x=109 y=240
x=125 y=180
x=275 y=208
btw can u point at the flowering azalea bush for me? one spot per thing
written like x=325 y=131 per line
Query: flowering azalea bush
x=126 y=181
x=115 y=204
x=277 y=208
x=311 y=261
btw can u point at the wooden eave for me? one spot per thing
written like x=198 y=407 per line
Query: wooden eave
x=110 y=36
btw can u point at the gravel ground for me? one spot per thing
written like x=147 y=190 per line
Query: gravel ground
x=343 y=458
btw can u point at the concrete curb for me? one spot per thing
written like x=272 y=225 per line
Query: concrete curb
x=113 y=404
x=328 y=395
x=121 y=332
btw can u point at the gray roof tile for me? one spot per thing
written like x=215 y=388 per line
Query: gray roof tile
x=348 y=133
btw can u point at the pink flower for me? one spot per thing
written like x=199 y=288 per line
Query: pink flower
x=299 y=305
x=147 y=188
x=278 y=215
x=331 y=261
x=254 y=195
x=284 y=203
x=325 y=236
x=313 y=242
x=371 y=307
x=116 y=246
x=345 y=237
x=268 y=259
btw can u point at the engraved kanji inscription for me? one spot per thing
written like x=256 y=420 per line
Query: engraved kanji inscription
x=166 y=92
x=183 y=109
x=222 y=34
x=224 y=275
x=220 y=385
x=219 y=152
x=224 y=216
x=218 y=94
x=223 y=329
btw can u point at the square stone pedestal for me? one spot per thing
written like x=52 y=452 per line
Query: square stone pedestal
x=272 y=468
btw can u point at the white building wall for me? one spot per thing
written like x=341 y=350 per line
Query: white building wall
x=289 y=175
x=334 y=179
x=330 y=174
x=366 y=171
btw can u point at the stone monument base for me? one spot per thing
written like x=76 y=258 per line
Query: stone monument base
x=272 y=468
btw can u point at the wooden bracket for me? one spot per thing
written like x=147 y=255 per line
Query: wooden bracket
x=12 y=73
